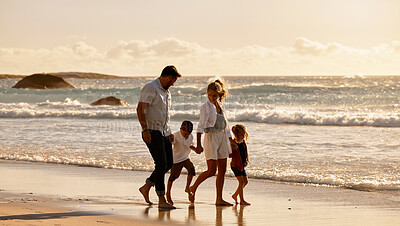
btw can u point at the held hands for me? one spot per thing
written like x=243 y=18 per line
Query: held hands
x=233 y=145
x=198 y=150
x=171 y=137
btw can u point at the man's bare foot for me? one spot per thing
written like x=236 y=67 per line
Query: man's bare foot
x=165 y=205
x=169 y=199
x=223 y=203
x=244 y=203
x=145 y=192
x=235 y=198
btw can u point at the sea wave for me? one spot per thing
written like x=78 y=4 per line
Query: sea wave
x=326 y=182
x=260 y=114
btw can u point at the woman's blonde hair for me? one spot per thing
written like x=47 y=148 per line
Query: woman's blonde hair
x=239 y=127
x=218 y=87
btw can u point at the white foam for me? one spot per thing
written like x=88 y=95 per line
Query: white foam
x=279 y=115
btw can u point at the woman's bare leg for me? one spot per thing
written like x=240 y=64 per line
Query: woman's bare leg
x=221 y=164
x=211 y=170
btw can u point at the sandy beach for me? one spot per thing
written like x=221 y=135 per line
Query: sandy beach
x=47 y=194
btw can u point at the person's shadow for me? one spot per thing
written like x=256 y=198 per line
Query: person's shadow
x=46 y=216
x=163 y=214
x=239 y=214
x=191 y=213
x=218 y=215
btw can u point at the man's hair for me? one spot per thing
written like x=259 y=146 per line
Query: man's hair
x=187 y=126
x=170 y=70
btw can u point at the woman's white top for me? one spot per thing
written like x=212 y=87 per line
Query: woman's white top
x=208 y=117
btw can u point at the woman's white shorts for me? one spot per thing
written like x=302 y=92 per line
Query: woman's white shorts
x=216 y=145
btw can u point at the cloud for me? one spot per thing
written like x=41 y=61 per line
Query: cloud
x=83 y=49
x=140 y=57
x=170 y=47
x=388 y=48
x=303 y=46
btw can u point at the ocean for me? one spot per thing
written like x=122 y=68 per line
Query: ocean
x=339 y=131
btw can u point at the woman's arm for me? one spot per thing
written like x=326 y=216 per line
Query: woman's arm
x=201 y=126
x=203 y=119
x=199 y=146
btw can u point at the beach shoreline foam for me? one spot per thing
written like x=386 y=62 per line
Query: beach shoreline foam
x=49 y=194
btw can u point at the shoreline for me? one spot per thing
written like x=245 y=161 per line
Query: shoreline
x=33 y=192
x=229 y=175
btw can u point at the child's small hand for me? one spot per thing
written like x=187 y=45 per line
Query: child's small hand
x=171 y=137
x=234 y=146
x=199 y=150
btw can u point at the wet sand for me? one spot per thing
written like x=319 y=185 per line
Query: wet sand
x=48 y=194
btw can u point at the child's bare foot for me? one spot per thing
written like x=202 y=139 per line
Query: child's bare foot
x=191 y=194
x=223 y=203
x=234 y=196
x=244 y=203
x=165 y=205
x=191 y=197
x=169 y=199
x=145 y=192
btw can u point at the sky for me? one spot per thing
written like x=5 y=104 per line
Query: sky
x=208 y=37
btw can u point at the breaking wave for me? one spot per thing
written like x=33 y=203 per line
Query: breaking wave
x=260 y=114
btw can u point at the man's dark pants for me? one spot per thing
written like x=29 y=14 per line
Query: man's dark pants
x=160 y=149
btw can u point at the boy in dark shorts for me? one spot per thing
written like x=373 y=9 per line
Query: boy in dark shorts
x=183 y=144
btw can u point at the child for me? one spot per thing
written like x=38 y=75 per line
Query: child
x=217 y=139
x=239 y=161
x=183 y=142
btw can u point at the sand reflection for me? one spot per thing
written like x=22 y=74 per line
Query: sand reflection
x=203 y=215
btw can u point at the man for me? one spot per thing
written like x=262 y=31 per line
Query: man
x=153 y=115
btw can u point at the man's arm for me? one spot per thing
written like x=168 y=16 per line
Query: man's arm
x=142 y=120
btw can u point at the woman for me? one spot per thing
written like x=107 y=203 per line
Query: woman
x=217 y=140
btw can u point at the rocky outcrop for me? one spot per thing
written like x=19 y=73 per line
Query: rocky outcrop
x=114 y=101
x=43 y=81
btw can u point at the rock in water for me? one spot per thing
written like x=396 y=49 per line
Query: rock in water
x=110 y=101
x=43 y=81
